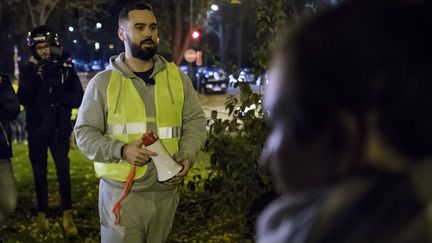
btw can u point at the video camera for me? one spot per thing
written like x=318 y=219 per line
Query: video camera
x=4 y=82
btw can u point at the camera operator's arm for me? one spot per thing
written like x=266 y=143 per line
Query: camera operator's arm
x=76 y=92
x=29 y=84
x=70 y=93
x=9 y=105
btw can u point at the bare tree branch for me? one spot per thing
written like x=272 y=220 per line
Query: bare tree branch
x=42 y=9
x=31 y=11
x=51 y=8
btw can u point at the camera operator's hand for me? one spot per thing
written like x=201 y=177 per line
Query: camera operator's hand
x=4 y=82
x=50 y=72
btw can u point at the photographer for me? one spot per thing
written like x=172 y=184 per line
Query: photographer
x=49 y=89
x=9 y=109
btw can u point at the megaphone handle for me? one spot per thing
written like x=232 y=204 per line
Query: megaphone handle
x=117 y=207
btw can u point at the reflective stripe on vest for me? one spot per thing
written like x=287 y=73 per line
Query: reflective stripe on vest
x=141 y=127
x=127 y=120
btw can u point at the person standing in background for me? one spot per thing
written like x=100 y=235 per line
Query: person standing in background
x=19 y=133
x=9 y=109
x=49 y=89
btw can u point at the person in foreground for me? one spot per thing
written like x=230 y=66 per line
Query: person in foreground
x=350 y=148
x=9 y=109
x=49 y=88
x=138 y=91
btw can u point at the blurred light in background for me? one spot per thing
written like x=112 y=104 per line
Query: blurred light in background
x=111 y=46
x=97 y=46
x=71 y=29
x=195 y=34
x=98 y=25
x=214 y=7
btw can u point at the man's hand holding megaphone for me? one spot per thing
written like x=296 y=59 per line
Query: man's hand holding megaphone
x=181 y=159
x=136 y=154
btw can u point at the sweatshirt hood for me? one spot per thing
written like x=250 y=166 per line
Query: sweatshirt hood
x=118 y=64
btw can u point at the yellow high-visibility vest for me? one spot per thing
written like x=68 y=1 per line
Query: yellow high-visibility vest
x=15 y=88
x=127 y=119
x=74 y=114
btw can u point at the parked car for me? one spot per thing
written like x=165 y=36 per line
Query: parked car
x=83 y=66
x=211 y=80
x=244 y=75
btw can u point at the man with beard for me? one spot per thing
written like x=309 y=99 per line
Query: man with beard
x=138 y=91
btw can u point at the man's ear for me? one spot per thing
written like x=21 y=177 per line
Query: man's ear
x=378 y=152
x=121 y=34
x=351 y=149
x=157 y=41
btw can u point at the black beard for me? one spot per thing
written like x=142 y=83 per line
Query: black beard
x=145 y=53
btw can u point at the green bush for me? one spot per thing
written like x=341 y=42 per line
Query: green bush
x=235 y=145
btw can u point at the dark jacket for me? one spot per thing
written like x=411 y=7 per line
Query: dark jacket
x=372 y=206
x=9 y=109
x=49 y=91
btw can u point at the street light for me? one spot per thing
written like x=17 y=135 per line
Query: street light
x=214 y=7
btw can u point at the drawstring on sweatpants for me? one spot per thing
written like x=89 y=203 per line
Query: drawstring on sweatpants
x=117 y=207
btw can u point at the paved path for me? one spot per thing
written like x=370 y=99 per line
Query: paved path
x=214 y=102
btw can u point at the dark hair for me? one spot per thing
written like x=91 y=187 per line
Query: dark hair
x=140 y=5
x=364 y=56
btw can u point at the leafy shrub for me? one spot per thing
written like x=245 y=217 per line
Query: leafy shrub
x=235 y=146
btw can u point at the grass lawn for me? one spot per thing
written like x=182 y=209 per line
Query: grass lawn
x=190 y=225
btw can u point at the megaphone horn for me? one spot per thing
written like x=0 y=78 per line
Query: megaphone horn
x=165 y=165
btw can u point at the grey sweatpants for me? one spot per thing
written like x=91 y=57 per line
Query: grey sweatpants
x=8 y=193
x=143 y=218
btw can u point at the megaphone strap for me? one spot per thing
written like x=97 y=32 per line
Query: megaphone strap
x=117 y=207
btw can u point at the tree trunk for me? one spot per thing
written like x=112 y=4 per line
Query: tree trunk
x=186 y=45
x=240 y=39
x=1 y=11
x=177 y=30
x=221 y=36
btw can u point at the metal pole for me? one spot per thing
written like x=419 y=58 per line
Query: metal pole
x=190 y=15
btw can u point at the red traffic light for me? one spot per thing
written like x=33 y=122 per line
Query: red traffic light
x=195 y=34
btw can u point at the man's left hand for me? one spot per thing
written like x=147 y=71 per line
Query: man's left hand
x=186 y=167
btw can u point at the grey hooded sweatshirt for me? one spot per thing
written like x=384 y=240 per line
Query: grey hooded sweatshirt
x=91 y=124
